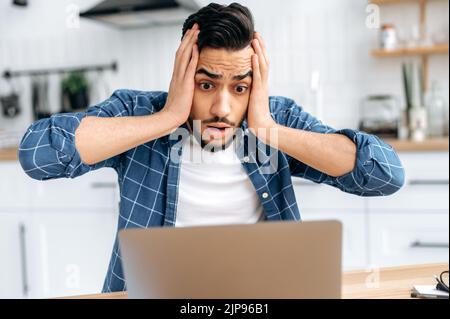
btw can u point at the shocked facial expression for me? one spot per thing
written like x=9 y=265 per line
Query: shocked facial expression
x=222 y=91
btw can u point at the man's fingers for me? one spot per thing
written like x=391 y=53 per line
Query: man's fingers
x=192 y=67
x=256 y=72
x=183 y=44
x=263 y=46
x=181 y=61
x=186 y=57
x=187 y=39
x=261 y=60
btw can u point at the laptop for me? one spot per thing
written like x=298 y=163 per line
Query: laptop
x=268 y=260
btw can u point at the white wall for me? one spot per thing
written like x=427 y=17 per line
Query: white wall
x=302 y=36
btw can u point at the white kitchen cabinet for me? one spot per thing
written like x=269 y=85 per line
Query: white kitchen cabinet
x=71 y=252
x=412 y=226
x=418 y=197
x=323 y=202
x=56 y=235
x=15 y=191
x=425 y=166
x=408 y=227
x=426 y=185
x=354 y=250
x=312 y=196
x=413 y=238
x=14 y=263
x=92 y=191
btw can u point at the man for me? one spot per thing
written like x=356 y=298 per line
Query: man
x=219 y=87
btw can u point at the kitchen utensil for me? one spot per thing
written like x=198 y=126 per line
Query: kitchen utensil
x=381 y=115
x=11 y=102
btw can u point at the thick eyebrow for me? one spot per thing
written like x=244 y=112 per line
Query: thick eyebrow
x=219 y=76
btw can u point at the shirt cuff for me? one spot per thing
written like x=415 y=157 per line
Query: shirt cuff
x=364 y=164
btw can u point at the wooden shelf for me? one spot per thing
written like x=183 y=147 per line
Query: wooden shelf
x=429 y=145
x=437 y=49
x=422 y=52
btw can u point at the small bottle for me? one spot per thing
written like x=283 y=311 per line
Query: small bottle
x=388 y=37
x=437 y=112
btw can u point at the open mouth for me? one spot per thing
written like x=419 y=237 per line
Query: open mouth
x=217 y=131
x=219 y=126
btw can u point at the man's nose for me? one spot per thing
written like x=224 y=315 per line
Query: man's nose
x=221 y=107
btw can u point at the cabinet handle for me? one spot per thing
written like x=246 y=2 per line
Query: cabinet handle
x=23 y=255
x=428 y=182
x=100 y=185
x=419 y=244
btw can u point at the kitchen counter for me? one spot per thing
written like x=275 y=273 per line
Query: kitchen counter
x=430 y=145
x=385 y=283
x=8 y=154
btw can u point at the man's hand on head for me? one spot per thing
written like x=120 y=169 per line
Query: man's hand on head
x=182 y=86
x=258 y=116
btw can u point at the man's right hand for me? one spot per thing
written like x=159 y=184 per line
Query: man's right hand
x=101 y=138
x=181 y=91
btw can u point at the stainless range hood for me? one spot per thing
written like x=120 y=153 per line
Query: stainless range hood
x=131 y=14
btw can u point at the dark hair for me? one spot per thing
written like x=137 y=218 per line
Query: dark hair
x=228 y=27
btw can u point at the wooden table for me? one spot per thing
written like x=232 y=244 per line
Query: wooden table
x=393 y=283
x=385 y=283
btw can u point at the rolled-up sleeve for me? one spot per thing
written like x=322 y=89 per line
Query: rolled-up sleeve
x=378 y=170
x=47 y=149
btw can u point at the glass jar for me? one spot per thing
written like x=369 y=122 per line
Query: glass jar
x=418 y=123
x=388 y=37
x=437 y=112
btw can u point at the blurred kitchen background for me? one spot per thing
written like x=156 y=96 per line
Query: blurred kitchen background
x=381 y=66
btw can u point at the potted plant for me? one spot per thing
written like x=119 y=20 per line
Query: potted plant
x=75 y=88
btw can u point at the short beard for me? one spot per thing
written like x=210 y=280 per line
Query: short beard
x=217 y=148
x=207 y=146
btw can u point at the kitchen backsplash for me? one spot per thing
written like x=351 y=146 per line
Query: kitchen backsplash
x=328 y=38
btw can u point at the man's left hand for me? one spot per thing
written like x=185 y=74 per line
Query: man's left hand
x=259 y=116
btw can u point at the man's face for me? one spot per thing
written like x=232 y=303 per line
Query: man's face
x=222 y=90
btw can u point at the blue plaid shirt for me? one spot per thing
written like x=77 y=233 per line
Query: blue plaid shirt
x=148 y=179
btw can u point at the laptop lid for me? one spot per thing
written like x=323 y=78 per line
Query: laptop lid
x=269 y=260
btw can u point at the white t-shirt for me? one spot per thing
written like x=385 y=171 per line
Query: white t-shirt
x=214 y=189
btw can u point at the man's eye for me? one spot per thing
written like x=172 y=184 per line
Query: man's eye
x=241 y=89
x=206 y=86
